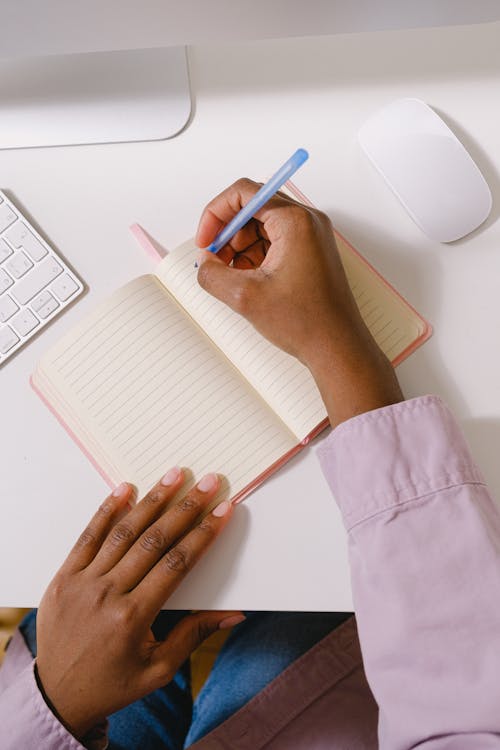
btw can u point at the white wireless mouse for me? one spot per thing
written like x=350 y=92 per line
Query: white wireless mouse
x=427 y=167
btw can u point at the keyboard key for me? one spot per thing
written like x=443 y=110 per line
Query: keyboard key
x=5 y=281
x=24 y=322
x=29 y=267
x=5 y=250
x=7 y=308
x=44 y=304
x=18 y=265
x=7 y=216
x=20 y=236
x=36 y=281
x=64 y=287
x=8 y=339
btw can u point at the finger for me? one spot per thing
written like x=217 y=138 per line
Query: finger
x=253 y=256
x=209 y=227
x=157 y=538
x=233 y=286
x=123 y=534
x=227 y=204
x=185 y=638
x=248 y=236
x=243 y=241
x=90 y=540
x=172 y=568
x=226 y=254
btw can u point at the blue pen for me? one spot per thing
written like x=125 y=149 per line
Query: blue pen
x=260 y=199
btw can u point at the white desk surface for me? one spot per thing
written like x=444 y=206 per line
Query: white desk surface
x=254 y=104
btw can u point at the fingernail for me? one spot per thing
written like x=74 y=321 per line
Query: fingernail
x=120 y=490
x=230 y=622
x=171 y=476
x=221 y=509
x=208 y=483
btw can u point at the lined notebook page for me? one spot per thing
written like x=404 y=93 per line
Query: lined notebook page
x=140 y=377
x=392 y=322
x=284 y=382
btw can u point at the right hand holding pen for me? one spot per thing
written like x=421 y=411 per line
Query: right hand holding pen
x=287 y=279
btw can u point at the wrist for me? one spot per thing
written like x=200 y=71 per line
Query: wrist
x=353 y=376
x=76 y=725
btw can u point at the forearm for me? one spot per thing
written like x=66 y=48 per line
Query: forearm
x=424 y=536
x=353 y=375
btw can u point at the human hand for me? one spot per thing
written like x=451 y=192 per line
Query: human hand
x=96 y=650
x=287 y=279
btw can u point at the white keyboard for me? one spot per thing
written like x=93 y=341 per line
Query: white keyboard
x=35 y=283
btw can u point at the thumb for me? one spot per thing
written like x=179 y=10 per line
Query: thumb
x=187 y=635
x=233 y=286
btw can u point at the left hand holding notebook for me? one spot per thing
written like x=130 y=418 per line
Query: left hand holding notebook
x=96 y=650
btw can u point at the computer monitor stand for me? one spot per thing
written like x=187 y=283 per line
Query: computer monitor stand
x=96 y=97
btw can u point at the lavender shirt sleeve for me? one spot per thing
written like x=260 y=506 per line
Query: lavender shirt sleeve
x=25 y=719
x=424 y=546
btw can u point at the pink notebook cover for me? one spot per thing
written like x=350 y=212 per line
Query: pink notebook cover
x=156 y=253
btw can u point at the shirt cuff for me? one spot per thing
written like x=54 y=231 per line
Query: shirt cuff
x=25 y=718
x=391 y=456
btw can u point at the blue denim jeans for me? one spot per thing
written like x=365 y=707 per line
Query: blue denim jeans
x=256 y=651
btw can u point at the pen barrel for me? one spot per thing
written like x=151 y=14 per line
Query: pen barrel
x=260 y=198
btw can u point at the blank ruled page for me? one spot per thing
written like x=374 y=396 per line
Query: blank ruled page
x=392 y=322
x=152 y=391
x=284 y=382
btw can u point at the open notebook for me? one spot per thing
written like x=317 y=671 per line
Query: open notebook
x=161 y=373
